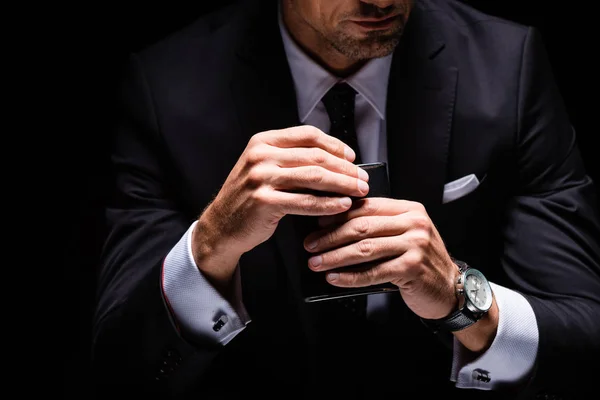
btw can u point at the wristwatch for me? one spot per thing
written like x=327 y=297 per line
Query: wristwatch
x=474 y=301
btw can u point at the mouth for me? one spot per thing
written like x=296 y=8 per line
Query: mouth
x=377 y=23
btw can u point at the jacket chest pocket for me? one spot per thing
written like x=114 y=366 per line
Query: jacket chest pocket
x=464 y=217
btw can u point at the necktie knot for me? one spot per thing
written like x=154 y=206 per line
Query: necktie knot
x=339 y=103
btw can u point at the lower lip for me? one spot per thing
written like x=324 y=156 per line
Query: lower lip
x=377 y=25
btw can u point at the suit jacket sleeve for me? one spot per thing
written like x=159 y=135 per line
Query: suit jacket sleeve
x=137 y=346
x=553 y=231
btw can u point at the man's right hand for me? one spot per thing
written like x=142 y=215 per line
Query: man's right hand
x=280 y=172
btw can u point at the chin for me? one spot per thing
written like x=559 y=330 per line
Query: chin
x=377 y=49
x=365 y=45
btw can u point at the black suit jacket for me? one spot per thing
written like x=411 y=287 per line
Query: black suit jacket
x=468 y=93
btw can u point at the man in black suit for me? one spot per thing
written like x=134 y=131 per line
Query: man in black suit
x=240 y=128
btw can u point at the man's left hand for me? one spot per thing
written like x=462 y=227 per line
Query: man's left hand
x=399 y=244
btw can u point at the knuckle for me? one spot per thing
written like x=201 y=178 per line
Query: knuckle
x=421 y=222
x=311 y=133
x=309 y=202
x=261 y=196
x=370 y=274
x=413 y=258
x=253 y=139
x=314 y=175
x=346 y=168
x=333 y=204
x=419 y=207
x=319 y=157
x=255 y=177
x=398 y=267
x=366 y=247
x=330 y=237
x=361 y=227
x=370 y=206
x=256 y=155
x=421 y=238
x=333 y=258
x=257 y=138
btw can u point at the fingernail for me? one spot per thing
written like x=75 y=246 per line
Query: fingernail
x=316 y=261
x=363 y=186
x=312 y=245
x=362 y=174
x=332 y=276
x=349 y=154
x=346 y=202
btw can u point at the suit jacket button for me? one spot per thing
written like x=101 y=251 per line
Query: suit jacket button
x=223 y=319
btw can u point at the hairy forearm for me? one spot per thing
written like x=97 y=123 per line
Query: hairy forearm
x=214 y=257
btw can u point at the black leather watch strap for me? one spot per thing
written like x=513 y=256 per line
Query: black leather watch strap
x=458 y=320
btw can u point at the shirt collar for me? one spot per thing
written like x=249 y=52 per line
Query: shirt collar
x=312 y=81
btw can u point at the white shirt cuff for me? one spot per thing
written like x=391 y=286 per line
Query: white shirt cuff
x=198 y=308
x=511 y=357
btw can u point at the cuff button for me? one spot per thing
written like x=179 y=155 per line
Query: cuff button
x=220 y=323
x=481 y=375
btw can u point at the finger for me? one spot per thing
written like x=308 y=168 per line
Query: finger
x=401 y=271
x=365 y=250
x=381 y=206
x=318 y=178
x=308 y=136
x=302 y=156
x=367 y=275
x=357 y=229
x=307 y=204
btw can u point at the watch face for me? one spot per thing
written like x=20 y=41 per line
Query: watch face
x=478 y=290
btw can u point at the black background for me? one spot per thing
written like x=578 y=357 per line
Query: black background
x=98 y=47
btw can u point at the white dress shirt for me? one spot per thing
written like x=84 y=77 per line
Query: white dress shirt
x=202 y=311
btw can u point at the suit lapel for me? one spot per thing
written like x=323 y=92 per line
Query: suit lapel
x=262 y=84
x=264 y=93
x=420 y=106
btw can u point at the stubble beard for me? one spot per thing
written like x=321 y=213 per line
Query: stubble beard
x=375 y=45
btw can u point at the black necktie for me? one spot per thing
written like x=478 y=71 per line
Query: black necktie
x=339 y=102
x=339 y=324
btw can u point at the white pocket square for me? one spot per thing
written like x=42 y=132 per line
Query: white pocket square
x=459 y=188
